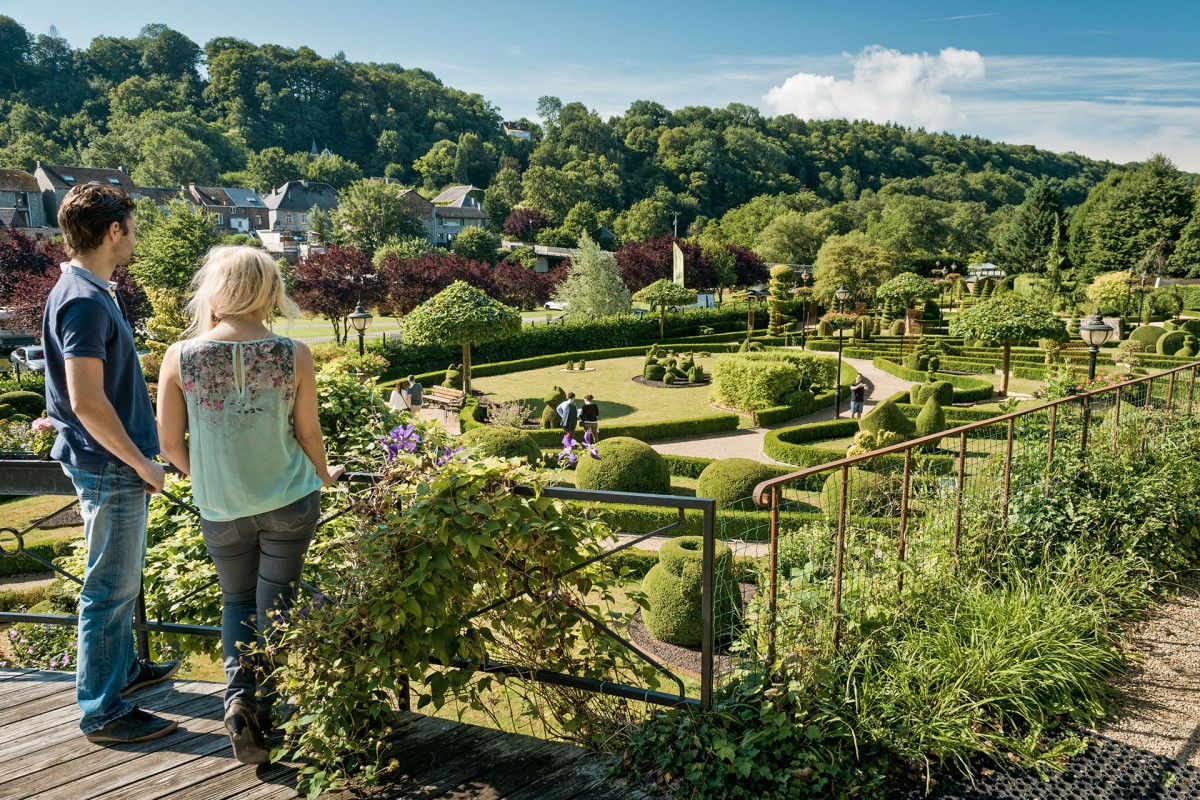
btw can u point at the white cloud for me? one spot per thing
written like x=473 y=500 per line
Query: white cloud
x=887 y=86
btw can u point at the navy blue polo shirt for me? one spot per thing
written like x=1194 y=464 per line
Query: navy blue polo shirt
x=83 y=320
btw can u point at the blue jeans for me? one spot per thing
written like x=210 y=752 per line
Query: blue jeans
x=113 y=503
x=259 y=560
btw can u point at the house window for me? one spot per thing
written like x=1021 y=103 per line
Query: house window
x=220 y=219
x=289 y=219
x=69 y=178
x=114 y=181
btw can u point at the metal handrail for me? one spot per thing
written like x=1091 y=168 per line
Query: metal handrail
x=143 y=626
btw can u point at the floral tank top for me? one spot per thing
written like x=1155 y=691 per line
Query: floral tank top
x=243 y=449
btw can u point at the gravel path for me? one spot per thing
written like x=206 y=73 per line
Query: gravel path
x=1160 y=695
x=748 y=442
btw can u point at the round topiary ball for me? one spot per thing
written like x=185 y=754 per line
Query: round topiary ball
x=1148 y=335
x=625 y=465
x=729 y=480
x=502 y=441
x=673 y=590
x=30 y=404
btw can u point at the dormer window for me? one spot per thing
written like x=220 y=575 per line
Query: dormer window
x=114 y=181
x=69 y=178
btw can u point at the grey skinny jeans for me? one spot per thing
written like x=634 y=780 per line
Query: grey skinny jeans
x=259 y=560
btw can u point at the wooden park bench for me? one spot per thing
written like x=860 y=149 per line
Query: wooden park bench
x=450 y=399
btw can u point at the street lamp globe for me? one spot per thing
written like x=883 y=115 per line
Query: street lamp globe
x=842 y=293
x=360 y=320
x=1095 y=331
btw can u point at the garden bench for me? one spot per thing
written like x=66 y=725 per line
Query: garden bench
x=450 y=399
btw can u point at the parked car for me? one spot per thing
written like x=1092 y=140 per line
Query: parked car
x=555 y=306
x=31 y=359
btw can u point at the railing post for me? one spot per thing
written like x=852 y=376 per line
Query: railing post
x=707 y=593
x=773 y=598
x=837 y=557
x=1050 y=445
x=1145 y=407
x=1008 y=450
x=1170 y=396
x=962 y=485
x=904 y=516
x=1116 y=421
x=1191 y=390
x=1087 y=419
x=139 y=631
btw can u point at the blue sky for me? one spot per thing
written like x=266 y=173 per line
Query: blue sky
x=1107 y=79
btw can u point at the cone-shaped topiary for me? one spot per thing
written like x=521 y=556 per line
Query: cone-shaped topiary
x=887 y=417
x=625 y=465
x=674 y=588
x=931 y=420
x=729 y=480
x=502 y=441
x=553 y=400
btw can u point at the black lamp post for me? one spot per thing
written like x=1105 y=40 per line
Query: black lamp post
x=1094 y=332
x=841 y=294
x=750 y=298
x=803 y=307
x=360 y=320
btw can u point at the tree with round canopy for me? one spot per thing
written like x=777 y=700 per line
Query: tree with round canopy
x=1007 y=320
x=905 y=289
x=663 y=293
x=460 y=314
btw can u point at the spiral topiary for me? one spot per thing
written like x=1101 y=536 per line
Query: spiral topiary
x=625 y=465
x=674 y=589
x=502 y=441
x=729 y=480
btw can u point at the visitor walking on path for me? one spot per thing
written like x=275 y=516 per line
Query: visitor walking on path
x=858 y=395
x=97 y=399
x=256 y=456
x=568 y=413
x=589 y=416
x=408 y=397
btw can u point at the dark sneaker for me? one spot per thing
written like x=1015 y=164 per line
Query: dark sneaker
x=149 y=674
x=245 y=735
x=136 y=726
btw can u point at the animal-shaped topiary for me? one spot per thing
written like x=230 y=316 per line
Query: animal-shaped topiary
x=553 y=400
x=453 y=377
x=654 y=372
x=673 y=590
x=921 y=392
x=887 y=416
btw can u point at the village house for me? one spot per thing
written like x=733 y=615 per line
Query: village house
x=455 y=210
x=21 y=202
x=55 y=181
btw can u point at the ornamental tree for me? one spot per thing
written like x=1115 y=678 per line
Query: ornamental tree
x=906 y=289
x=663 y=293
x=333 y=283
x=1007 y=320
x=463 y=315
x=593 y=286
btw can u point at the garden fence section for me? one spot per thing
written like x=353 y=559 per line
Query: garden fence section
x=916 y=514
x=681 y=689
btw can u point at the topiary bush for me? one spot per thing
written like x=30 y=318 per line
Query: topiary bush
x=669 y=378
x=931 y=420
x=1148 y=335
x=897 y=328
x=729 y=480
x=31 y=404
x=502 y=441
x=887 y=417
x=869 y=494
x=696 y=374
x=654 y=372
x=625 y=465
x=553 y=400
x=942 y=390
x=673 y=590
x=1171 y=342
x=453 y=377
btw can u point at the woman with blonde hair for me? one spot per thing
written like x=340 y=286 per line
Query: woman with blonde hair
x=247 y=401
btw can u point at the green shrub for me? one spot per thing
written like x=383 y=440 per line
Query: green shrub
x=897 y=328
x=1192 y=326
x=696 y=374
x=673 y=592
x=1148 y=335
x=869 y=494
x=966 y=389
x=553 y=400
x=931 y=420
x=669 y=378
x=31 y=404
x=453 y=379
x=625 y=465
x=1170 y=343
x=942 y=390
x=6 y=411
x=654 y=372
x=887 y=417
x=729 y=480
x=498 y=440
x=581 y=364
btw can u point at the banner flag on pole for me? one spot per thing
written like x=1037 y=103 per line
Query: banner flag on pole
x=677 y=263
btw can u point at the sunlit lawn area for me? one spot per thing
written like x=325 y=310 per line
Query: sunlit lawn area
x=620 y=399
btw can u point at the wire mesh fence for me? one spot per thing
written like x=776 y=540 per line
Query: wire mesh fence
x=849 y=540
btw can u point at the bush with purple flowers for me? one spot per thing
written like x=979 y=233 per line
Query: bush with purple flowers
x=39 y=646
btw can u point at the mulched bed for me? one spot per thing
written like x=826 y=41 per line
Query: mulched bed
x=685 y=658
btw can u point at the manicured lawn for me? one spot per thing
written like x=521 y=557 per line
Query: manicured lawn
x=619 y=398
x=21 y=513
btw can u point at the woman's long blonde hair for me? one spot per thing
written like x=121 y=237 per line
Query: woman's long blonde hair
x=236 y=281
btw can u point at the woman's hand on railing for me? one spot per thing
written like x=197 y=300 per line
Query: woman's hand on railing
x=332 y=473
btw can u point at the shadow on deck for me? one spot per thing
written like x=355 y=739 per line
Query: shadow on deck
x=43 y=754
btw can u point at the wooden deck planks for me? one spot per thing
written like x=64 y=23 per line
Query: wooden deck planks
x=43 y=755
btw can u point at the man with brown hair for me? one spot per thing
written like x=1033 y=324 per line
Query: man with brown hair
x=97 y=399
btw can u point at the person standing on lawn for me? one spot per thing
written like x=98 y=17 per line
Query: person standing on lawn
x=256 y=455
x=568 y=414
x=97 y=399
x=589 y=416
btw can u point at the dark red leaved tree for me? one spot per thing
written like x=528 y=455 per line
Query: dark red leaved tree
x=523 y=224
x=642 y=263
x=332 y=283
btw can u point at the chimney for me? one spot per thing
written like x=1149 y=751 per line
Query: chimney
x=123 y=170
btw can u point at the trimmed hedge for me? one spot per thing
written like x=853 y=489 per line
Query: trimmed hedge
x=20 y=565
x=30 y=404
x=788 y=444
x=686 y=466
x=674 y=588
x=502 y=441
x=966 y=389
x=806 y=403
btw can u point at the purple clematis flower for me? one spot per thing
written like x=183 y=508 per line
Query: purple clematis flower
x=401 y=438
x=448 y=454
x=590 y=445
